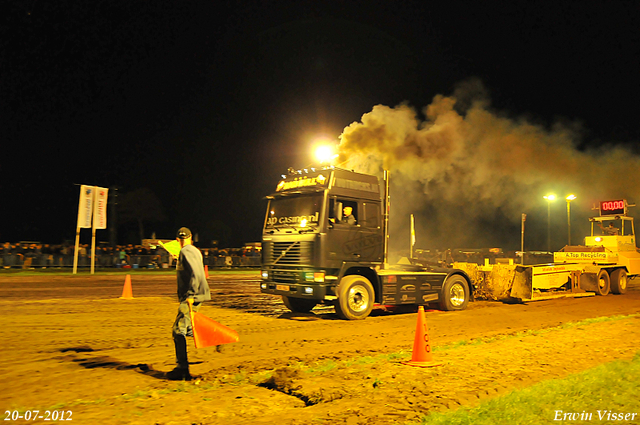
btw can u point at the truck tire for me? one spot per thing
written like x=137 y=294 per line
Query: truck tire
x=603 y=283
x=355 y=298
x=455 y=294
x=619 y=281
x=298 y=305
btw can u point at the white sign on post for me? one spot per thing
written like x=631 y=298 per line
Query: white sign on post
x=99 y=219
x=100 y=208
x=85 y=208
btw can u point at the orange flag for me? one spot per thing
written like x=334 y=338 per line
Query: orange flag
x=207 y=332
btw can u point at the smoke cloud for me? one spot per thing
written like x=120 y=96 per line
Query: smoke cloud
x=468 y=173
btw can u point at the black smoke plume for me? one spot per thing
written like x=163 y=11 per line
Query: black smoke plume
x=468 y=173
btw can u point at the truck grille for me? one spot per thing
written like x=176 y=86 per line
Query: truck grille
x=299 y=253
x=285 y=277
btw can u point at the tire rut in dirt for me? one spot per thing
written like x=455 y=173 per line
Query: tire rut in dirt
x=288 y=381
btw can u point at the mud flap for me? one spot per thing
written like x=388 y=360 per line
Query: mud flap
x=589 y=282
x=522 y=288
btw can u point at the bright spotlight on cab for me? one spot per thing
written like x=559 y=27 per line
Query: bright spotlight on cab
x=324 y=153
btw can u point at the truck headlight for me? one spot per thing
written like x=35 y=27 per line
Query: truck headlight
x=317 y=277
x=265 y=274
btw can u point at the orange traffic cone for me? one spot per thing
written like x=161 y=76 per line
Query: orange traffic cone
x=126 y=291
x=421 y=355
x=206 y=272
x=207 y=332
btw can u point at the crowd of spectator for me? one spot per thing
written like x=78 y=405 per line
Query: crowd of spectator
x=39 y=255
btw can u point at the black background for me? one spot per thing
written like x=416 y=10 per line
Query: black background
x=206 y=103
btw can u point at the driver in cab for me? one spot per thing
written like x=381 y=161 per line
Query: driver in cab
x=347 y=216
x=610 y=230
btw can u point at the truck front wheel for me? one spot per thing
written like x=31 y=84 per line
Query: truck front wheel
x=455 y=293
x=619 y=281
x=355 y=298
x=298 y=305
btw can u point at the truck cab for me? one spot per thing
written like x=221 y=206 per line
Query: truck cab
x=323 y=242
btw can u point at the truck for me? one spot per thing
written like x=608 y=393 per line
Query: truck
x=325 y=241
x=602 y=265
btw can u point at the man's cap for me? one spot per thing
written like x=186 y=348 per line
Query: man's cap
x=184 y=233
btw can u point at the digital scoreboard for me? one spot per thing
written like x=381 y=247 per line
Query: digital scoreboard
x=617 y=207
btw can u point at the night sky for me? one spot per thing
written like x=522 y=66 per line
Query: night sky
x=203 y=105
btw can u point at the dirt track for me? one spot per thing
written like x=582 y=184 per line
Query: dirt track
x=70 y=341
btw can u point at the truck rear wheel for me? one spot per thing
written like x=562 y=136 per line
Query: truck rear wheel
x=298 y=305
x=604 y=284
x=619 y=281
x=455 y=293
x=355 y=298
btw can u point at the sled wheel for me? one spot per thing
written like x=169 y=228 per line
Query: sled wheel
x=602 y=288
x=619 y=281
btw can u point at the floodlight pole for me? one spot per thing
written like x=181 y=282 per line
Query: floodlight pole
x=569 y=220
x=549 y=199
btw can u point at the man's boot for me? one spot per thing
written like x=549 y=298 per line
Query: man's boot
x=181 y=372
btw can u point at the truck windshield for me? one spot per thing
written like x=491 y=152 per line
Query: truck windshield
x=301 y=213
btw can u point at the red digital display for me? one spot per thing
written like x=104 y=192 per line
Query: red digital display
x=612 y=207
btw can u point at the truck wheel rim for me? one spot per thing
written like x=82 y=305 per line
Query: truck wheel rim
x=623 y=282
x=358 y=298
x=602 y=283
x=456 y=295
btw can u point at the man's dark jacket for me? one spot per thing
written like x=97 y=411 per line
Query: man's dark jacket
x=191 y=279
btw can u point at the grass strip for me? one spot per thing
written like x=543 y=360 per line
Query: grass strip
x=608 y=393
x=531 y=332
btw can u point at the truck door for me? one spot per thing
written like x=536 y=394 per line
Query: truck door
x=355 y=231
x=371 y=231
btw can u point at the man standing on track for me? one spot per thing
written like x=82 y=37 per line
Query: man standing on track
x=192 y=285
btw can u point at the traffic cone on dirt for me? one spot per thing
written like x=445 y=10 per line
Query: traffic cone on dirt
x=206 y=271
x=127 y=294
x=421 y=356
x=207 y=332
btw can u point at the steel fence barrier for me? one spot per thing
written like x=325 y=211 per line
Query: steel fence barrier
x=117 y=260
